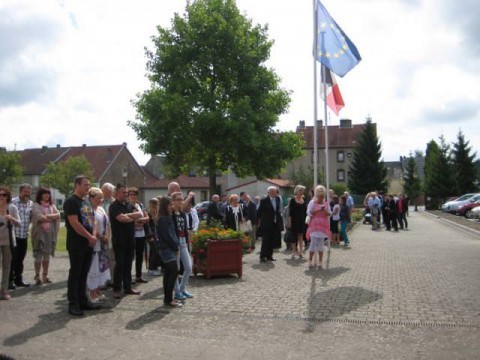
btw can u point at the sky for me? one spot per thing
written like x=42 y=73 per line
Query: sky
x=70 y=69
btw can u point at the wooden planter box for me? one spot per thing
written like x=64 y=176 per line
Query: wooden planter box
x=223 y=257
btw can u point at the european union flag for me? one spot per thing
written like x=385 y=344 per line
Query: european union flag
x=333 y=48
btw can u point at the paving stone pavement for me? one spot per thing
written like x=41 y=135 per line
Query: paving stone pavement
x=408 y=295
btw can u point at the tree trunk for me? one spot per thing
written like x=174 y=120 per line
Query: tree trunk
x=212 y=180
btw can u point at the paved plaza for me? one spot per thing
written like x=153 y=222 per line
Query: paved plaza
x=408 y=295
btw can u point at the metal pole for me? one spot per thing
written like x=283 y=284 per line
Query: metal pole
x=325 y=114
x=315 y=50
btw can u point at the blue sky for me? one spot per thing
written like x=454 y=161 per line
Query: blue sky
x=69 y=69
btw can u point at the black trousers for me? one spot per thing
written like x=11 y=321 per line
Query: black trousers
x=169 y=279
x=18 y=256
x=268 y=234
x=80 y=259
x=154 y=260
x=139 y=251
x=122 y=277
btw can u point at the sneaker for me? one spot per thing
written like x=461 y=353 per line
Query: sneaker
x=187 y=294
x=180 y=297
x=154 y=273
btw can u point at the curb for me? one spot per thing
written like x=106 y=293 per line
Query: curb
x=449 y=222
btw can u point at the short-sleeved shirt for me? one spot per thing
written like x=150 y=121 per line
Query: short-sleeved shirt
x=82 y=209
x=25 y=213
x=122 y=233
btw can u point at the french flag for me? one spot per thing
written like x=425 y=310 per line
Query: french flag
x=334 y=97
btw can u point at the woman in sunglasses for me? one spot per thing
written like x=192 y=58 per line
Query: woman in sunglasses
x=8 y=219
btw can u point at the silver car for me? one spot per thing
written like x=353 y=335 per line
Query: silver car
x=453 y=205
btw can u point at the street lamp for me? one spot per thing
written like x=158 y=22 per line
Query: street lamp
x=124 y=175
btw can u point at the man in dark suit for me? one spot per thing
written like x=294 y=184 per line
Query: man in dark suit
x=213 y=209
x=269 y=215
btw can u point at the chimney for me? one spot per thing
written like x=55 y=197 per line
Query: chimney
x=44 y=149
x=84 y=145
x=345 y=123
x=301 y=126
x=58 y=146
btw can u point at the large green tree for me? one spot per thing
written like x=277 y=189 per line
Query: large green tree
x=367 y=171
x=213 y=103
x=439 y=180
x=464 y=166
x=61 y=175
x=11 y=171
x=412 y=185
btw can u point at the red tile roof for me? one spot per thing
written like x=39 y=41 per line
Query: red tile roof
x=186 y=182
x=35 y=161
x=338 y=137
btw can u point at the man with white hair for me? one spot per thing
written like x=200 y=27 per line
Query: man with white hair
x=269 y=215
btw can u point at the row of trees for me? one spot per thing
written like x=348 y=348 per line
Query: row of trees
x=57 y=175
x=449 y=170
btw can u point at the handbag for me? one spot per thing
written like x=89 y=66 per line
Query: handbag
x=245 y=226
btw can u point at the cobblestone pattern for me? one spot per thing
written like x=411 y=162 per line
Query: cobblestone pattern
x=420 y=285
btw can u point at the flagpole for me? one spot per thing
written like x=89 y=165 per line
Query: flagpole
x=325 y=114
x=315 y=95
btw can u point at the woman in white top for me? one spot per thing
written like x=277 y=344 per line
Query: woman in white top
x=235 y=213
x=334 y=220
x=99 y=272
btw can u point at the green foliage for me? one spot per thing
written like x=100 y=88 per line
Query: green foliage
x=62 y=175
x=213 y=103
x=412 y=185
x=304 y=176
x=464 y=166
x=367 y=171
x=439 y=178
x=338 y=188
x=11 y=172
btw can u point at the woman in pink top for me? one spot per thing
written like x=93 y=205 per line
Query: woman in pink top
x=318 y=231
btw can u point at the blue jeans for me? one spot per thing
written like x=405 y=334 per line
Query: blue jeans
x=187 y=266
x=343 y=232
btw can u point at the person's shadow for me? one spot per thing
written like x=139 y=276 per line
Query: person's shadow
x=51 y=322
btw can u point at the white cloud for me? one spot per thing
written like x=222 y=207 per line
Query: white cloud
x=69 y=69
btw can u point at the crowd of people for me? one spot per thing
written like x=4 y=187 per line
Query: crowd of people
x=108 y=228
x=391 y=210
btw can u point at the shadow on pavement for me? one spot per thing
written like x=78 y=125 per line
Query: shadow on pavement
x=150 y=317
x=39 y=289
x=332 y=303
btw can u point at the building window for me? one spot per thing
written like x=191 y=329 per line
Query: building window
x=341 y=175
x=340 y=156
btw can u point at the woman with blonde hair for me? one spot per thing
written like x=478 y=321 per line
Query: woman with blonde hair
x=99 y=272
x=45 y=228
x=153 y=257
x=296 y=219
x=235 y=213
x=319 y=225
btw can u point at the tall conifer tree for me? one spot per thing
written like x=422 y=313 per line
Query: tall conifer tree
x=367 y=172
x=464 y=166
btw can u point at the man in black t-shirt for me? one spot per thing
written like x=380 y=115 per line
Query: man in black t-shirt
x=122 y=219
x=79 y=221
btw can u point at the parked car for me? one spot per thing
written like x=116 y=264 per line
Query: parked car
x=475 y=213
x=465 y=209
x=201 y=208
x=454 y=205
